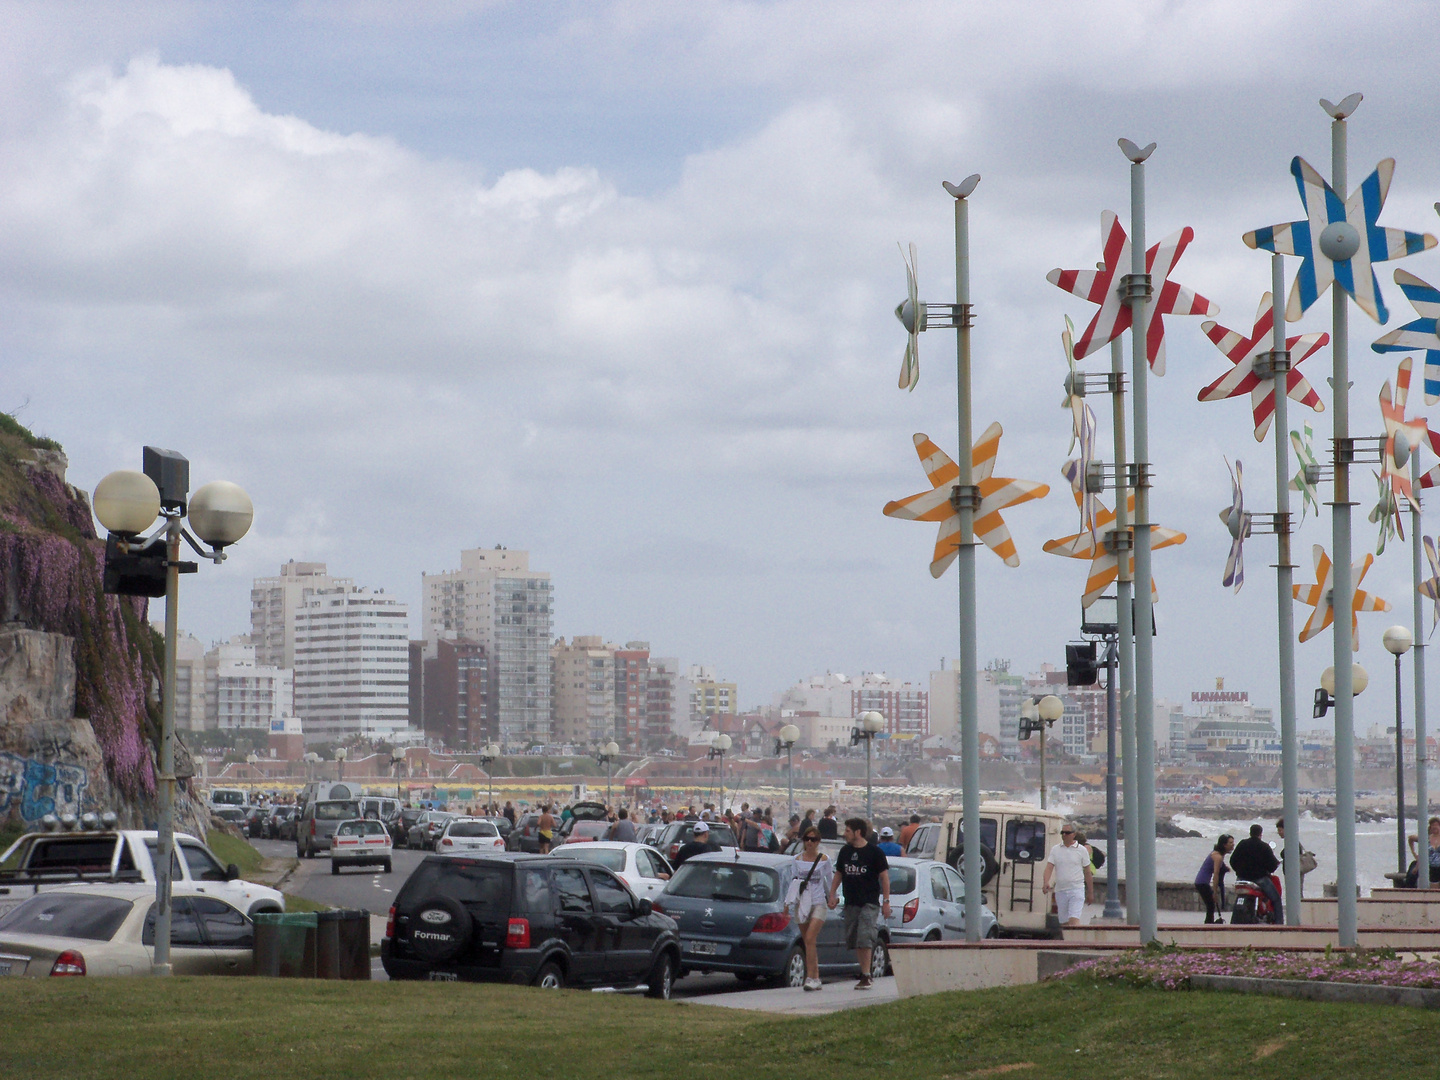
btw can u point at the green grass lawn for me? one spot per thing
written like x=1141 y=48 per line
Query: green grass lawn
x=229 y=849
x=236 y=1028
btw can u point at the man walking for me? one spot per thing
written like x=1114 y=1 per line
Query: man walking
x=863 y=872
x=1252 y=860
x=1068 y=866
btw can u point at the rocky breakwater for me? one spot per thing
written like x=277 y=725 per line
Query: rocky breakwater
x=79 y=670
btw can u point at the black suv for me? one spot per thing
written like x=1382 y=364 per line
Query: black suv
x=527 y=919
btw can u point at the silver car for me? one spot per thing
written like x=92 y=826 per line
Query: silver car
x=927 y=902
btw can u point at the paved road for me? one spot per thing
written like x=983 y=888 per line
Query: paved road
x=371 y=889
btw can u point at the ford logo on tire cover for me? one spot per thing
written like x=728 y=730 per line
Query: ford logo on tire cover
x=435 y=916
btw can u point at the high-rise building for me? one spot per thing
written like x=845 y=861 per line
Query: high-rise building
x=583 y=674
x=273 y=604
x=632 y=693
x=906 y=708
x=661 y=696
x=352 y=664
x=239 y=693
x=495 y=599
x=450 y=692
x=708 y=696
x=189 y=684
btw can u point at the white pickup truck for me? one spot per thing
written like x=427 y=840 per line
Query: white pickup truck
x=47 y=860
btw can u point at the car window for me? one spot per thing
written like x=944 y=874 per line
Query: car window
x=939 y=884
x=91 y=918
x=86 y=853
x=184 y=930
x=336 y=811
x=610 y=896
x=472 y=828
x=353 y=828
x=957 y=884
x=203 y=866
x=153 y=846
x=725 y=881
x=902 y=880
x=923 y=841
x=538 y=891
x=473 y=884
x=610 y=858
x=224 y=926
x=573 y=893
x=1025 y=840
x=649 y=864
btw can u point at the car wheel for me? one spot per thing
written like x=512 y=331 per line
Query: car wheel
x=387 y=866
x=334 y=868
x=550 y=977
x=793 y=973
x=662 y=978
x=994 y=932
x=933 y=935
x=879 y=961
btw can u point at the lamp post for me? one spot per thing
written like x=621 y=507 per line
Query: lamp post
x=312 y=759
x=397 y=758
x=1397 y=642
x=127 y=503
x=252 y=759
x=870 y=725
x=1037 y=714
x=488 y=757
x=340 y=763
x=789 y=736
x=606 y=756
x=718 y=745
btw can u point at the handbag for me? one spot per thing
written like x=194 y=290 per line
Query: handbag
x=806 y=884
x=1308 y=862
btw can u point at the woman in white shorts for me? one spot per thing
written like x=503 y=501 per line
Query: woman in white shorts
x=805 y=899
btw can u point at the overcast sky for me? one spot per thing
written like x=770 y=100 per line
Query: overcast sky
x=614 y=282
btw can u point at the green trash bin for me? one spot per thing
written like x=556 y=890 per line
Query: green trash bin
x=342 y=945
x=285 y=945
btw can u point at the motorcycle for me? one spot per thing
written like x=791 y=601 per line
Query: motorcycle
x=1253 y=906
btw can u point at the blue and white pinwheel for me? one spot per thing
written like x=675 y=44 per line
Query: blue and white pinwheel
x=1419 y=334
x=1339 y=241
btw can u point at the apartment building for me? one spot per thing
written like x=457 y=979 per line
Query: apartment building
x=584 y=694
x=352 y=664
x=450 y=693
x=273 y=604
x=240 y=693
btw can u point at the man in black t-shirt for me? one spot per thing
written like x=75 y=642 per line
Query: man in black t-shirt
x=862 y=870
x=700 y=843
x=1252 y=860
x=828 y=826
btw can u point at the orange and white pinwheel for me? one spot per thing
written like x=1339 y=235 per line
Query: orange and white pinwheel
x=996 y=493
x=1098 y=545
x=1413 y=431
x=1319 y=597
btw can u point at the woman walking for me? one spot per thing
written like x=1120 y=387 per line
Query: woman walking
x=809 y=885
x=1210 y=878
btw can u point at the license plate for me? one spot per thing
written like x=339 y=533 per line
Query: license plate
x=444 y=976
x=4 y=968
x=702 y=948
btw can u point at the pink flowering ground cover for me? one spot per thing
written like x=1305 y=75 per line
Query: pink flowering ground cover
x=1171 y=968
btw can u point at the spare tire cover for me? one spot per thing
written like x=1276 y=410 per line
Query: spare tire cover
x=440 y=929
x=989 y=866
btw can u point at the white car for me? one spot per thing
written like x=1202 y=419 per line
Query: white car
x=638 y=865
x=469 y=834
x=360 y=842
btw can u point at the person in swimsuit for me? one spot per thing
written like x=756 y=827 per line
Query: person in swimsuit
x=547 y=829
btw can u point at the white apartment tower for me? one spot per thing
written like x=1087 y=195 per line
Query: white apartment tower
x=273 y=603
x=352 y=664
x=497 y=600
x=240 y=693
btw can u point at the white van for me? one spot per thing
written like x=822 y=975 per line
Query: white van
x=229 y=796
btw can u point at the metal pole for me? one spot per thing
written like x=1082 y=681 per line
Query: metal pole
x=1343 y=590
x=1399 y=775
x=869 y=811
x=1125 y=632
x=1143 y=831
x=1043 y=726
x=790 y=772
x=1285 y=600
x=165 y=833
x=607 y=779
x=1112 y=882
x=1422 y=782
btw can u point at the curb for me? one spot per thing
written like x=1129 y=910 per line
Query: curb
x=1308 y=990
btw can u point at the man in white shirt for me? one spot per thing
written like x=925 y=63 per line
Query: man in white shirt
x=1068 y=867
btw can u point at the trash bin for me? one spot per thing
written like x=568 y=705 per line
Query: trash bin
x=285 y=945
x=342 y=945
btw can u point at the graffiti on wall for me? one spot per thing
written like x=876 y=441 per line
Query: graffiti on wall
x=35 y=788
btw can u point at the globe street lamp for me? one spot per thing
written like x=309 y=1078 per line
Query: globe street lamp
x=789 y=736
x=397 y=758
x=487 y=758
x=606 y=756
x=1397 y=642
x=871 y=724
x=1325 y=695
x=312 y=759
x=127 y=503
x=251 y=759
x=340 y=763
x=718 y=745
x=1037 y=714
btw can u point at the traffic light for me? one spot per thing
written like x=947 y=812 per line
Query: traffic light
x=1080 y=669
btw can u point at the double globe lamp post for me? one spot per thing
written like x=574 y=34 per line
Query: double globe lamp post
x=718 y=746
x=606 y=756
x=1397 y=642
x=490 y=754
x=127 y=503
x=871 y=724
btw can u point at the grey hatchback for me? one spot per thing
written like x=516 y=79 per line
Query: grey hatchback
x=317 y=823
x=730 y=909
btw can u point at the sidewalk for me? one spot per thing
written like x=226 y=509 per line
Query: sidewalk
x=836 y=997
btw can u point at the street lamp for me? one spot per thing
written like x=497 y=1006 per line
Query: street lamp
x=340 y=763
x=251 y=759
x=312 y=759
x=397 y=758
x=718 y=745
x=1037 y=714
x=606 y=756
x=127 y=503
x=1325 y=695
x=487 y=758
x=789 y=736
x=871 y=724
x=1397 y=642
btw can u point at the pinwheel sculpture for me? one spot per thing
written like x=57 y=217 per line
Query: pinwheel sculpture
x=1102 y=287
x=1386 y=515
x=1339 y=241
x=1431 y=586
x=1082 y=423
x=1318 y=596
x=911 y=313
x=1402 y=437
x=1309 y=467
x=1420 y=333
x=996 y=494
x=1238 y=522
x=1244 y=352
x=1099 y=546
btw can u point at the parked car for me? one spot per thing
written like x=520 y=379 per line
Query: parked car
x=581 y=811
x=539 y=920
x=502 y=824
x=829 y=848
x=280 y=825
x=465 y=834
x=254 y=823
x=525 y=836
x=730 y=910
x=400 y=827
x=110 y=930
x=586 y=832
x=638 y=865
x=427 y=829
x=317 y=824
x=927 y=902
x=649 y=833
x=235 y=815
x=45 y=861
x=678 y=833
x=361 y=842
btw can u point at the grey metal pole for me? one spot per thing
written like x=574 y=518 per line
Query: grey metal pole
x=1399 y=775
x=869 y=805
x=1422 y=781
x=1143 y=830
x=1125 y=633
x=790 y=770
x=1043 y=726
x=1112 y=883
x=165 y=833
x=1284 y=601
x=1343 y=588
x=973 y=869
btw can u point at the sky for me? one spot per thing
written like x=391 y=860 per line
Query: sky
x=614 y=283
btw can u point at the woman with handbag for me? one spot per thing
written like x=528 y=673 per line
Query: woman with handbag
x=805 y=899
